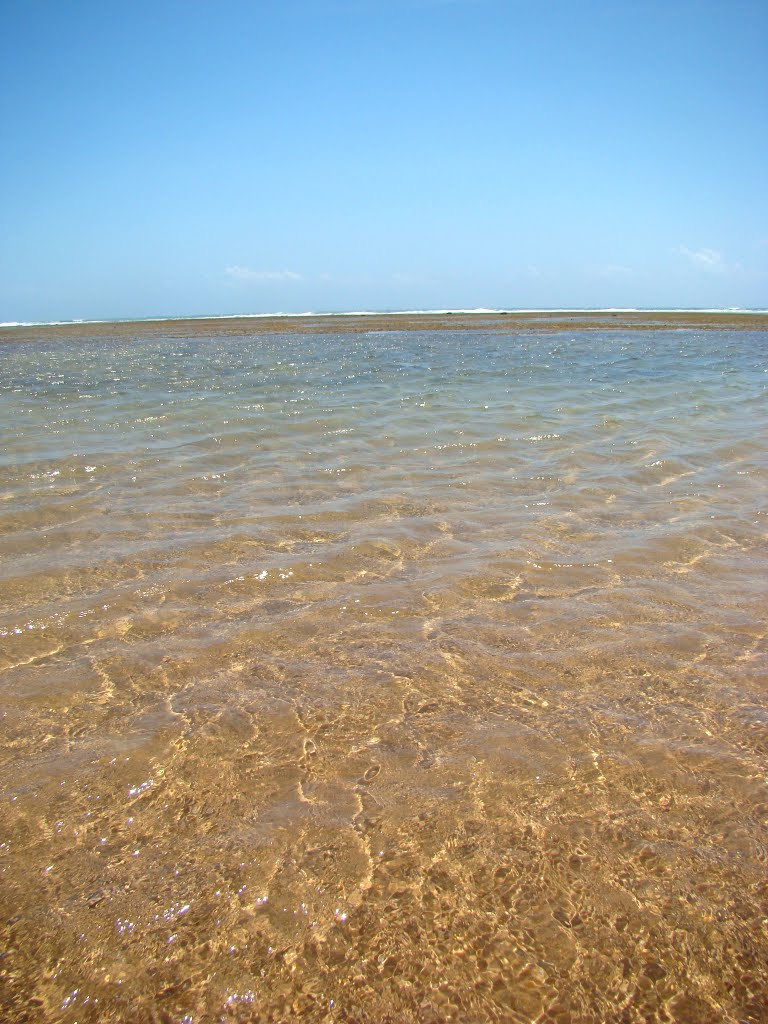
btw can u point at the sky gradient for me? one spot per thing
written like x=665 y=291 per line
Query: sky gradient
x=190 y=158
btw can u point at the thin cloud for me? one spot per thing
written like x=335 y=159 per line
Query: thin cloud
x=704 y=259
x=246 y=275
x=613 y=270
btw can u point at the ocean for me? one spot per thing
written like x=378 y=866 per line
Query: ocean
x=383 y=675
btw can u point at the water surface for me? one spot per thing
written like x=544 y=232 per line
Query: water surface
x=384 y=677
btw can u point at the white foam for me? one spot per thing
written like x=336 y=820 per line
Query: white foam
x=66 y=323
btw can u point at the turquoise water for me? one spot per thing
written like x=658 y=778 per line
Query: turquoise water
x=425 y=670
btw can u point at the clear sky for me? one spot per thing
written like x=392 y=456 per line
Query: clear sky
x=220 y=156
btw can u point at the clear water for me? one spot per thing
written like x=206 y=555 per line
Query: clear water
x=387 y=677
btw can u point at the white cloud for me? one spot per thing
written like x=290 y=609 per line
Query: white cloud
x=704 y=259
x=245 y=274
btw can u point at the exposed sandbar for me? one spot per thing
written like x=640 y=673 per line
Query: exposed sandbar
x=360 y=323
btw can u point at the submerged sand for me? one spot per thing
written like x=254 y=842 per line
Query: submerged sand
x=384 y=678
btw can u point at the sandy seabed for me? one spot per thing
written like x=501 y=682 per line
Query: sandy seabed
x=385 y=670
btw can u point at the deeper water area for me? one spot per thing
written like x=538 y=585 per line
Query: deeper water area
x=388 y=676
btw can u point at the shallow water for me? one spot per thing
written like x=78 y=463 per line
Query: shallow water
x=388 y=677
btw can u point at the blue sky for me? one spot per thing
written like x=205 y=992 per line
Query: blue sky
x=192 y=157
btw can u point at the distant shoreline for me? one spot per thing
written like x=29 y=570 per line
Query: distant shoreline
x=363 y=322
